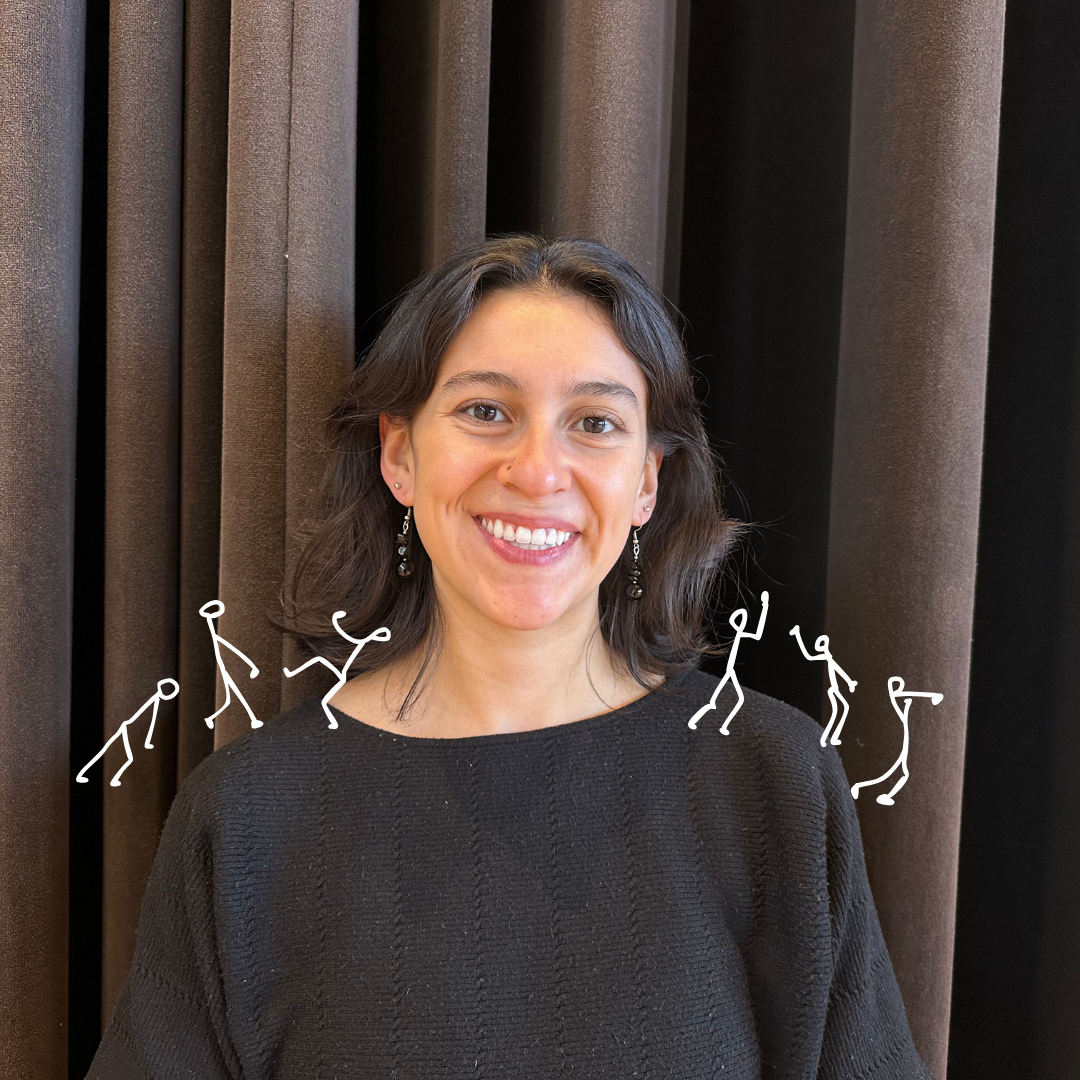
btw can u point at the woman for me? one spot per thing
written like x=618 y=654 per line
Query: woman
x=508 y=854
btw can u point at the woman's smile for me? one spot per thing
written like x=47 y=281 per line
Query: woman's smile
x=528 y=541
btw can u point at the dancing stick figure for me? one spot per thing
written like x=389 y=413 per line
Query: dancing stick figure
x=738 y=622
x=833 y=693
x=212 y=610
x=382 y=634
x=901 y=762
x=161 y=695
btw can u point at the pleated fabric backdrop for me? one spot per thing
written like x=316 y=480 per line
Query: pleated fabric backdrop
x=271 y=175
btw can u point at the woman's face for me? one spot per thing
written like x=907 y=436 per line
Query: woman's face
x=528 y=465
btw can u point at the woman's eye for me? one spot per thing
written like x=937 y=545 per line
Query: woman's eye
x=598 y=425
x=479 y=410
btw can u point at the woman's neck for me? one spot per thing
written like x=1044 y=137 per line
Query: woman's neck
x=491 y=679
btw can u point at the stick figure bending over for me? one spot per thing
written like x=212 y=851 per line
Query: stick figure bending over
x=896 y=689
x=738 y=622
x=167 y=689
x=212 y=610
x=382 y=634
x=833 y=693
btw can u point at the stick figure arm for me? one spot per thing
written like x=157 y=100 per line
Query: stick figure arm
x=864 y=998
x=170 y=1020
x=308 y=663
x=756 y=635
x=845 y=676
x=798 y=637
x=230 y=645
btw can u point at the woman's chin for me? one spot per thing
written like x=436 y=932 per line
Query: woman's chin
x=524 y=613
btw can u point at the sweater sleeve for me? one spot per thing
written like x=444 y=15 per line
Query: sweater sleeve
x=169 y=1020
x=866 y=1034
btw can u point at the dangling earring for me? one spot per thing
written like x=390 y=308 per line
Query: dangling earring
x=405 y=567
x=634 y=589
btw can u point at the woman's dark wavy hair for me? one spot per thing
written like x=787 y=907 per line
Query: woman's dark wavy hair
x=348 y=558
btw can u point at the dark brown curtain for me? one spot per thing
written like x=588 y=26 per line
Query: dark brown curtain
x=204 y=215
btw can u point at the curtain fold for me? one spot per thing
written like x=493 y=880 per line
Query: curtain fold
x=907 y=453
x=41 y=83
x=202 y=298
x=141 y=453
x=609 y=82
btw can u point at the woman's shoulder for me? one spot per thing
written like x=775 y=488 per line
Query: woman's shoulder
x=287 y=748
x=760 y=715
x=778 y=741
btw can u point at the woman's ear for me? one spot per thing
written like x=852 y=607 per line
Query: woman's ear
x=645 y=503
x=396 y=461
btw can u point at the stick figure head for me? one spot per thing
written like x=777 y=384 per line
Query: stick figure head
x=212 y=609
x=822 y=643
x=738 y=618
x=167 y=689
x=896 y=684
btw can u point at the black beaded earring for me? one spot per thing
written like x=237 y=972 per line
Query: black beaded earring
x=634 y=589
x=405 y=567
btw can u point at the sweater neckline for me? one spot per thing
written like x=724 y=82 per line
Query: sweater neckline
x=586 y=724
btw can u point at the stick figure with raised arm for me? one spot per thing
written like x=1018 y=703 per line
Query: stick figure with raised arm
x=212 y=610
x=167 y=689
x=896 y=689
x=382 y=634
x=833 y=693
x=738 y=623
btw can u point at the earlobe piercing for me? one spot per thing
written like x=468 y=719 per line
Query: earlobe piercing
x=397 y=485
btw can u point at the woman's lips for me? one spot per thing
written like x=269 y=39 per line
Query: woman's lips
x=518 y=555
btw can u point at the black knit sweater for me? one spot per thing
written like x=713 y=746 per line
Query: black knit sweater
x=616 y=897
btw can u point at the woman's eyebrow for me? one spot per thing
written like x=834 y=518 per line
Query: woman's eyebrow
x=603 y=388
x=589 y=388
x=501 y=379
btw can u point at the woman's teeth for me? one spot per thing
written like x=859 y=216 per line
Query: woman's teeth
x=526 y=539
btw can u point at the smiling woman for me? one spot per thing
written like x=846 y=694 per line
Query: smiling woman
x=523 y=390
x=512 y=855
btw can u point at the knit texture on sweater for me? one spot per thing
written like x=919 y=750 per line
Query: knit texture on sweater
x=616 y=897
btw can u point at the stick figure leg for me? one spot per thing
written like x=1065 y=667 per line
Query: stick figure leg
x=887 y=800
x=228 y=698
x=835 y=740
x=735 y=708
x=693 y=722
x=247 y=708
x=326 y=707
x=834 y=697
x=115 y=781
x=876 y=780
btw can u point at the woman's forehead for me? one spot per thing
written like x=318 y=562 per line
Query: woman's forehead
x=521 y=340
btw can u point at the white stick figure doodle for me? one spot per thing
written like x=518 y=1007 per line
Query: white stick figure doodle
x=212 y=610
x=382 y=634
x=896 y=689
x=167 y=689
x=738 y=622
x=833 y=693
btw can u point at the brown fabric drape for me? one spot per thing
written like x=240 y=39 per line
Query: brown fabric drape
x=202 y=300
x=289 y=312
x=277 y=172
x=609 y=89
x=41 y=76
x=907 y=452
x=142 y=451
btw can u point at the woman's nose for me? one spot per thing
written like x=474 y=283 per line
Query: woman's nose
x=537 y=466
